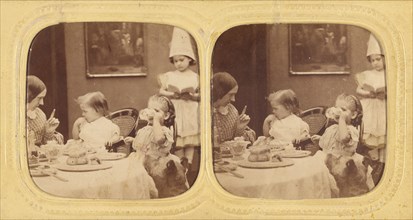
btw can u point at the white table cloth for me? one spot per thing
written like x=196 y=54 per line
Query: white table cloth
x=127 y=179
x=308 y=178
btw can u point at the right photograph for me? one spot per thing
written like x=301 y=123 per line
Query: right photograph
x=298 y=111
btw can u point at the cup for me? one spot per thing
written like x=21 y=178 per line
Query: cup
x=237 y=149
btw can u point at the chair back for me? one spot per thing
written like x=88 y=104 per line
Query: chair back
x=316 y=119
x=126 y=120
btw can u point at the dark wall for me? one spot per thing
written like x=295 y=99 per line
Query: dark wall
x=241 y=51
x=47 y=61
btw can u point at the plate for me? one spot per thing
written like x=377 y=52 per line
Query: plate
x=295 y=153
x=42 y=170
x=226 y=165
x=83 y=168
x=264 y=165
x=110 y=156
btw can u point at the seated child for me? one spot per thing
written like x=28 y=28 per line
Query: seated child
x=156 y=138
x=283 y=126
x=341 y=138
x=93 y=128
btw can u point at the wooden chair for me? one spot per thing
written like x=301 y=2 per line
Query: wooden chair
x=126 y=119
x=317 y=122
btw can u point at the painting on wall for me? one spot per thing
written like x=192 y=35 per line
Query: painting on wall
x=115 y=49
x=318 y=49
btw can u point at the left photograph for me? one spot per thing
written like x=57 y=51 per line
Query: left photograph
x=112 y=110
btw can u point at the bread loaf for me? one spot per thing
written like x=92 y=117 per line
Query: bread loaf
x=259 y=154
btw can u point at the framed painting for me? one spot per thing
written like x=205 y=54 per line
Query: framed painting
x=115 y=49
x=318 y=49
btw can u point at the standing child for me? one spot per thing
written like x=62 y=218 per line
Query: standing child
x=283 y=125
x=93 y=128
x=182 y=87
x=372 y=90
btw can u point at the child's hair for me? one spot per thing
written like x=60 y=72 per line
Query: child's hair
x=167 y=106
x=34 y=87
x=191 y=62
x=287 y=98
x=95 y=100
x=355 y=105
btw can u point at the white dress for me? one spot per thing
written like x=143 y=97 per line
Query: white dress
x=330 y=142
x=374 y=110
x=187 y=112
x=287 y=129
x=96 y=133
x=144 y=142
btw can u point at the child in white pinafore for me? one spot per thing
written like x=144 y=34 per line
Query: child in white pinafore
x=182 y=87
x=93 y=128
x=283 y=125
x=372 y=90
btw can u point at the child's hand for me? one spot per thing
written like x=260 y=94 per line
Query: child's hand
x=372 y=95
x=269 y=119
x=158 y=116
x=381 y=95
x=109 y=143
x=128 y=140
x=345 y=115
x=186 y=96
x=296 y=141
x=176 y=95
x=315 y=138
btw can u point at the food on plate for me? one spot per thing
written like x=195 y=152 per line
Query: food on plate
x=270 y=143
x=259 y=154
x=77 y=156
x=236 y=146
x=95 y=160
x=33 y=160
x=276 y=158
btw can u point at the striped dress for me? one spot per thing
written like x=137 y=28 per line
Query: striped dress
x=226 y=126
x=36 y=123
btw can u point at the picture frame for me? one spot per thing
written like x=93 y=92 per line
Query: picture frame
x=115 y=49
x=318 y=49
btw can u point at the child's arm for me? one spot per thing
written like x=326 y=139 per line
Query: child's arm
x=159 y=136
x=344 y=133
x=76 y=127
x=168 y=94
x=364 y=93
x=267 y=125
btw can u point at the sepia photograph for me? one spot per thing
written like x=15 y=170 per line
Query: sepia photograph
x=283 y=131
x=112 y=110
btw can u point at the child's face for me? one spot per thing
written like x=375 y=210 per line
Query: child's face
x=346 y=109
x=181 y=63
x=377 y=62
x=159 y=110
x=37 y=101
x=227 y=98
x=89 y=113
x=279 y=110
